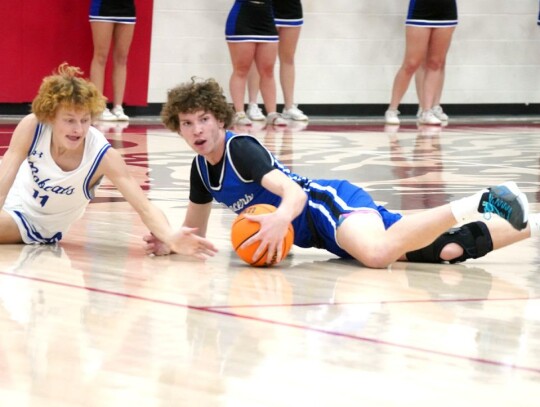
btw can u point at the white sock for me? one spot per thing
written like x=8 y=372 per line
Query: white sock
x=466 y=209
x=534 y=223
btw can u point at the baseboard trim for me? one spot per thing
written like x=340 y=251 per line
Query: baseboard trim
x=358 y=110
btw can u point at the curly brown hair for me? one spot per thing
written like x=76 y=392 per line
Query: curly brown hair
x=66 y=88
x=193 y=96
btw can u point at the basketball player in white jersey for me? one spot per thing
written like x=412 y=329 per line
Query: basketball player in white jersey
x=56 y=160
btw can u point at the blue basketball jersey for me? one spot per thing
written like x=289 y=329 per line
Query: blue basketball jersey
x=328 y=200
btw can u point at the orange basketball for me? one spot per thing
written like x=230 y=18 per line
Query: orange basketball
x=242 y=229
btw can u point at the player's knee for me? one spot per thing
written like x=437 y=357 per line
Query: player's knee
x=377 y=257
x=474 y=239
x=451 y=251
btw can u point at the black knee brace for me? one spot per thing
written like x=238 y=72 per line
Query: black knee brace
x=474 y=238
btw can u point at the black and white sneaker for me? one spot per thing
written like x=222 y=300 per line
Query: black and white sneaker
x=508 y=202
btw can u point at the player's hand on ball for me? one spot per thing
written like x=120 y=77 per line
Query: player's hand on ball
x=260 y=236
x=271 y=235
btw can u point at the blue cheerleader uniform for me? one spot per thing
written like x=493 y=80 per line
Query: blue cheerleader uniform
x=432 y=13
x=251 y=21
x=113 y=11
x=288 y=13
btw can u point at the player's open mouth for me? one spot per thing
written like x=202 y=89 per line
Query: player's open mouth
x=200 y=142
x=74 y=138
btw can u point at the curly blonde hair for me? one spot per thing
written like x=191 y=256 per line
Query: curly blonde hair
x=193 y=96
x=66 y=88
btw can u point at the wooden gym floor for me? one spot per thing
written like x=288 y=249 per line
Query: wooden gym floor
x=95 y=322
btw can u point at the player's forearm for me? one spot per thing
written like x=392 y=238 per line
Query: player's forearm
x=197 y=216
x=156 y=221
x=293 y=201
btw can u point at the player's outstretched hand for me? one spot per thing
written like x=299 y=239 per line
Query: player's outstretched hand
x=185 y=241
x=155 y=246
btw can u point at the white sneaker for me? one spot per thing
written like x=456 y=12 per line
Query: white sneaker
x=241 y=119
x=254 y=113
x=275 y=119
x=107 y=116
x=439 y=114
x=118 y=111
x=428 y=117
x=419 y=112
x=293 y=113
x=391 y=116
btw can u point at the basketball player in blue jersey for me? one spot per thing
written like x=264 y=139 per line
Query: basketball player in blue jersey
x=252 y=38
x=112 y=22
x=237 y=171
x=430 y=25
x=289 y=19
x=56 y=161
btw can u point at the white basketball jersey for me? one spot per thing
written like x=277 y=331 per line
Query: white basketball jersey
x=45 y=200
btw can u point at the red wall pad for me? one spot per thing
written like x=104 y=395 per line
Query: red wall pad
x=36 y=36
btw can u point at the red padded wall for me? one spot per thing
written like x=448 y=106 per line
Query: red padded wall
x=36 y=36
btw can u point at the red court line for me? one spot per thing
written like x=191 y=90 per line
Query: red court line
x=431 y=301
x=213 y=310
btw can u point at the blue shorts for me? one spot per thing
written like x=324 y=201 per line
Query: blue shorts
x=328 y=200
x=31 y=231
